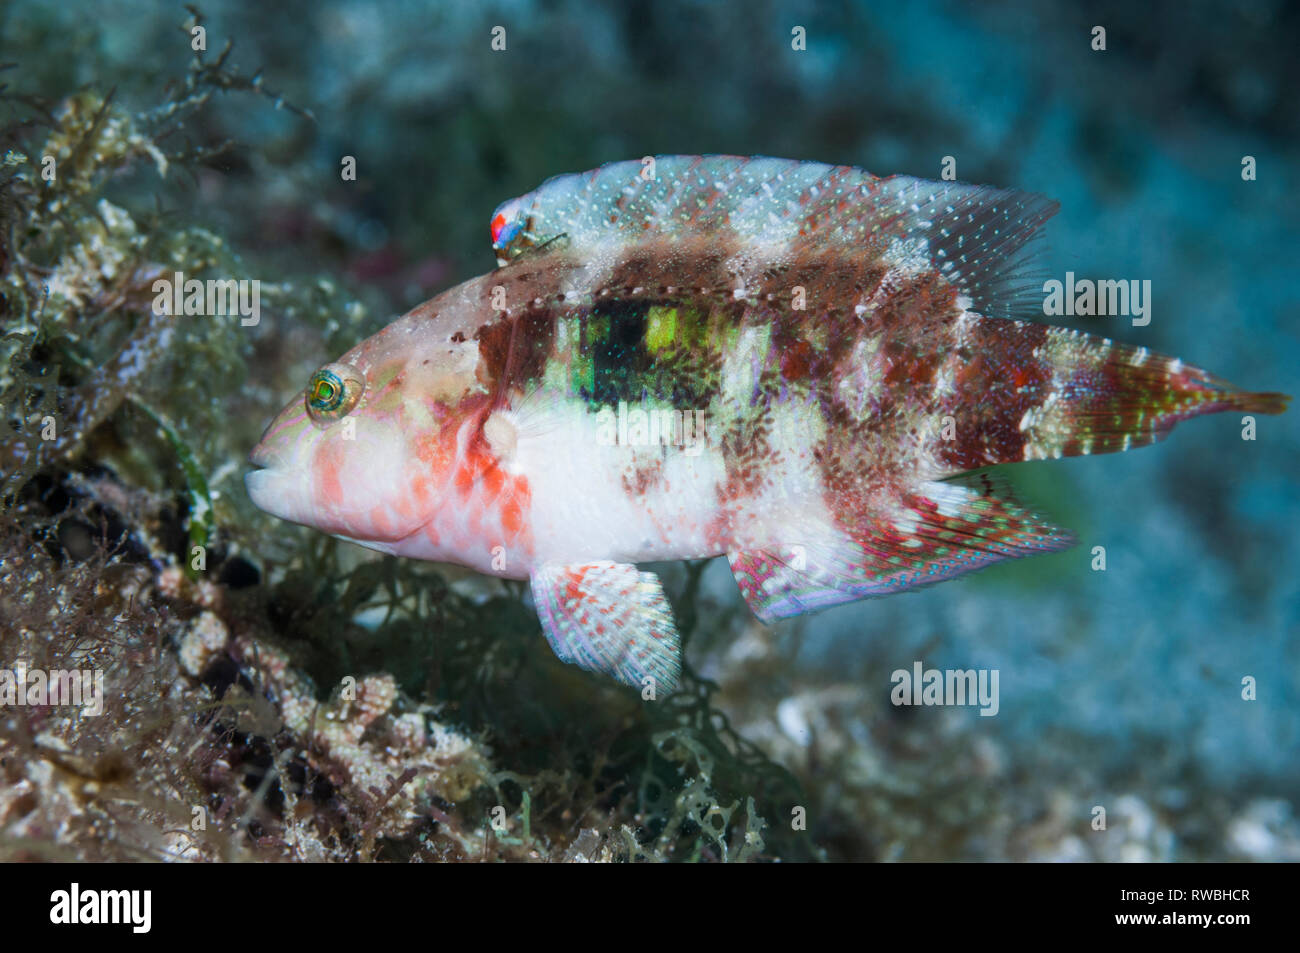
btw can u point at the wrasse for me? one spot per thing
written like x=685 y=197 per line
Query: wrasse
x=804 y=367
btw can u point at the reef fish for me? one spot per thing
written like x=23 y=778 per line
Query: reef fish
x=803 y=367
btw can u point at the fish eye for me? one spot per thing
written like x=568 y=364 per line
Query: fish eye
x=333 y=392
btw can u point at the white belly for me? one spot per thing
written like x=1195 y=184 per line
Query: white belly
x=625 y=499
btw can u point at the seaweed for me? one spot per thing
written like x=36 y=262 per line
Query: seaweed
x=201 y=521
x=498 y=754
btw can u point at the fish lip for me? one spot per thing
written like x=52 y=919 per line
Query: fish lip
x=266 y=490
x=260 y=457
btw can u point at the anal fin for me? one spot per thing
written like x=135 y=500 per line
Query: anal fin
x=609 y=617
x=941 y=530
x=779 y=583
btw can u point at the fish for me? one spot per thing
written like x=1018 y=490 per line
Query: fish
x=805 y=368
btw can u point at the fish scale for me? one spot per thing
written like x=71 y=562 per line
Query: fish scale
x=851 y=353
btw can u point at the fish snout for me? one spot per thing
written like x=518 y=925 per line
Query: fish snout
x=280 y=481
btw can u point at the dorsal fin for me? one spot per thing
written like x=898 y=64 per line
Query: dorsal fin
x=786 y=211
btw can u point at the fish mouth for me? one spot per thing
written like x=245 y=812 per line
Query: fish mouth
x=266 y=483
x=274 y=491
x=260 y=458
x=258 y=482
x=264 y=457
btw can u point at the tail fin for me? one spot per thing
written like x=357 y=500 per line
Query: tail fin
x=1259 y=402
x=1041 y=392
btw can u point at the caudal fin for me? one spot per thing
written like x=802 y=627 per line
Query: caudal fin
x=1260 y=402
x=1036 y=392
x=1115 y=397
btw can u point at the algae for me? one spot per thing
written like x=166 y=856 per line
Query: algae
x=288 y=696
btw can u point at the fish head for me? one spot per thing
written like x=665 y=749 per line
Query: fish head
x=365 y=450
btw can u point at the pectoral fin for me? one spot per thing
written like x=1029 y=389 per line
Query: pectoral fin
x=609 y=617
